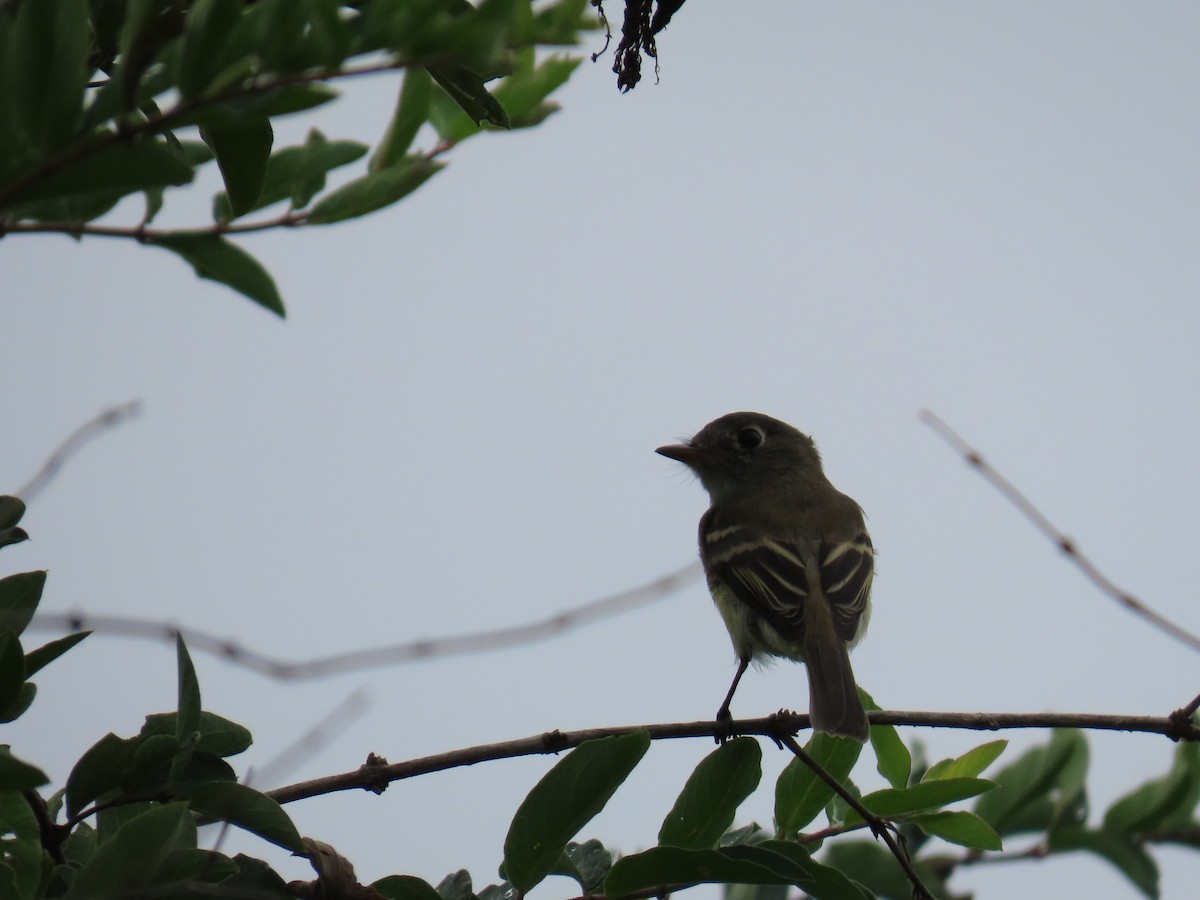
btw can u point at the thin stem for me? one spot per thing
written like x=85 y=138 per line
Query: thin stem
x=110 y=418
x=377 y=657
x=879 y=827
x=1064 y=543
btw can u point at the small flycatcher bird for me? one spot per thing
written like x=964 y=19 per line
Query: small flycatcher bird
x=788 y=558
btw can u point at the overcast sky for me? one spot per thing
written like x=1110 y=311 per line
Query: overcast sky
x=837 y=214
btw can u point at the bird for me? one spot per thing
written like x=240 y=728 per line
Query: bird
x=787 y=556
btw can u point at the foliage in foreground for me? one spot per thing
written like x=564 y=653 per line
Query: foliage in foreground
x=127 y=822
x=103 y=99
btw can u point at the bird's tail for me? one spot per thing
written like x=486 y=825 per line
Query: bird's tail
x=833 y=702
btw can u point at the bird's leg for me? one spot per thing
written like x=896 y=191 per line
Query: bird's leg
x=724 y=716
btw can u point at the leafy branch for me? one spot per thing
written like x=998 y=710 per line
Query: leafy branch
x=99 y=101
x=148 y=793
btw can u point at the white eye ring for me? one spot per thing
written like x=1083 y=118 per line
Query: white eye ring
x=750 y=437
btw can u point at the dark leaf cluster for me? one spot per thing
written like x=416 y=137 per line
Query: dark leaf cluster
x=103 y=99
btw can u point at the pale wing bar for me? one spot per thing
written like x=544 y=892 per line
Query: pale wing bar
x=846 y=572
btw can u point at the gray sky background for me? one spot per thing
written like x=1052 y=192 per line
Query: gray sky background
x=838 y=214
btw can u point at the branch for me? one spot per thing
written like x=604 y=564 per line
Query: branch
x=166 y=120
x=313 y=740
x=110 y=418
x=879 y=827
x=390 y=655
x=1064 y=543
x=376 y=774
x=143 y=235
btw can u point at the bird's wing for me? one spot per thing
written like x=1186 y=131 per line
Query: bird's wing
x=770 y=575
x=847 y=568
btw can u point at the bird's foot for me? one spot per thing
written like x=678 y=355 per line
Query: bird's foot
x=723 y=729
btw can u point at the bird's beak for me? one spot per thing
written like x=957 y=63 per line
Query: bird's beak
x=684 y=453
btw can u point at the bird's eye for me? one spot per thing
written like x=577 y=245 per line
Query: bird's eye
x=749 y=438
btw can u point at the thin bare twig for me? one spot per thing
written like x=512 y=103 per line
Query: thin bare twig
x=1064 y=543
x=143 y=234
x=110 y=418
x=390 y=655
x=314 y=739
x=376 y=775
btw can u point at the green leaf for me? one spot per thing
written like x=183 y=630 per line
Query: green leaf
x=12 y=670
x=218 y=735
x=138 y=856
x=820 y=881
x=246 y=808
x=535 y=116
x=468 y=90
x=775 y=862
x=280 y=27
x=926 y=795
x=524 y=91
x=267 y=105
x=405 y=887
x=77 y=209
x=561 y=22
x=98 y=771
x=12 y=509
x=254 y=878
x=1162 y=802
x=970 y=764
x=17 y=775
x=36 y=660
x=206 y=37
x=9 y=536
x=47 y=71
x=666 y=866
x=214 y=258
x=19 y=597
x=748 y=834
x=877 y=870
x=149 y=768
x=298 y=173
x=188 y=721
x=588 y=863
x=327 y=32
x=892 y=759
x=1130 y=859
x=1070 y=789
x=147 y=33
x=21 y=702
x=160 y=767
x=113 y=168
x=456 y=886
x=22 y=846
x=1022 y=800
x=373 y=191
x=412 y=109
x=565 y=800
x=80 y=845
x=705 y=808
x=242 y=151
x=197 y=869
x=755 y=892
x=800 y=794
x=962 y=828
